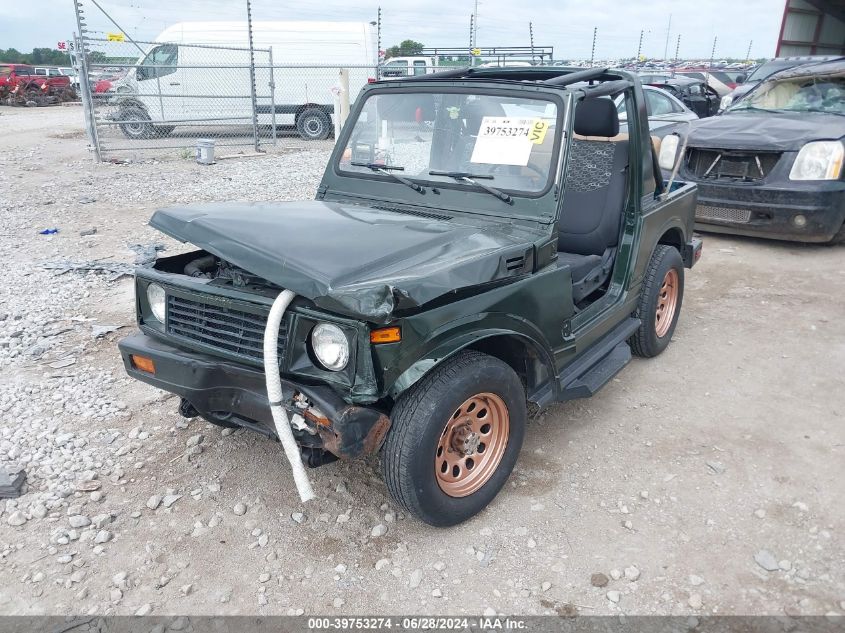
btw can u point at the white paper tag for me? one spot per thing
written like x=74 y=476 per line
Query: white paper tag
x=503 y=141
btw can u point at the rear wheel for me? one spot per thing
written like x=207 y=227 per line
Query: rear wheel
x=455 y=438
x=660 y=302
x=313 y=124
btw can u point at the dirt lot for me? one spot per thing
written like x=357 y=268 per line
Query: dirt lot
x=681 y=481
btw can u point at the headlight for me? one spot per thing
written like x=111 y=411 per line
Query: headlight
x=726 y=102
x=157 y=300
x=330 y=346
x=819 y=160
x=668 y=151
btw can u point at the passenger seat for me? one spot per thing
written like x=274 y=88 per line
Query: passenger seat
x=594 y=196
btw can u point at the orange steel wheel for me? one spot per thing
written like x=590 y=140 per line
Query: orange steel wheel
x=472 y=445
x=667 y=303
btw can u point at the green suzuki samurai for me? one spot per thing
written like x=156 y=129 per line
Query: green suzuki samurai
x=482 y=241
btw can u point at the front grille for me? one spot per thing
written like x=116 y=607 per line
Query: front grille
x=727 y=214
x=226 y=329
x=730 y=165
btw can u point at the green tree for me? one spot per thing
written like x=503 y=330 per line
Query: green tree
x=406 y=48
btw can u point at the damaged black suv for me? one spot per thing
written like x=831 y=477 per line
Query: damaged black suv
x=482 y=241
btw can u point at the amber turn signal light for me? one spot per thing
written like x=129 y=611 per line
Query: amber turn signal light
x=143 y=363
x=386 y=335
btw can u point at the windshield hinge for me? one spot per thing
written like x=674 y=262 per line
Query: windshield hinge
x=566 y=330
x=321 y=191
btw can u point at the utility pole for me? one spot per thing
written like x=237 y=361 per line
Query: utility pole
x=748 y=53
x=252 y=77
x=677 y=50
x=710 y=66
x=639 y=49
x=378 y=45
x=666 y=46
x=475 y=25
x=471 y=26
x=593 y=52
x=531 y=39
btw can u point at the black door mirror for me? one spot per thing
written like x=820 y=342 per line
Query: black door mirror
x=740 y=79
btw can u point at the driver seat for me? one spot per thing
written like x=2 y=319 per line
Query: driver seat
x=594 y=197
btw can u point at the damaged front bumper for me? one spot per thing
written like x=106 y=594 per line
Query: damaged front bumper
x=236 y=394
x=805 y=212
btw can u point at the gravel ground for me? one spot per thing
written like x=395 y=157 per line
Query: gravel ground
x=708 y=480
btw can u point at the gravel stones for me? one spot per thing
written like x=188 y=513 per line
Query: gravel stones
x=239 y=509
x=16 y=519
x=766 y=560
x=599 y=580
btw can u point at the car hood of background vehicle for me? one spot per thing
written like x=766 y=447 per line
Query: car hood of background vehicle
x=776 y=131
x=353 y=259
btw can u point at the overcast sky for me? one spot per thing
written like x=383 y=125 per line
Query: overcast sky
x=565 y=24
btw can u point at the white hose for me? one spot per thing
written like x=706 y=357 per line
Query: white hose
x=274 y=394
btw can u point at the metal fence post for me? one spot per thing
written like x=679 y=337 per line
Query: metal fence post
x=272 y=94
x=84 y=85
x=344 y=96
x=252 y=75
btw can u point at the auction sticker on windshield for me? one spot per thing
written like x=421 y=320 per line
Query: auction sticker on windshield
x=508 y=140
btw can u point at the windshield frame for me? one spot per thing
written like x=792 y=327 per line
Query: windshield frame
x=474 y=87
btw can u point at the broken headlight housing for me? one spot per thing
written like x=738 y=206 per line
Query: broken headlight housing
x=818 y=160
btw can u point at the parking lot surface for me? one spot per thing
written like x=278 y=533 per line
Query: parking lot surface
x=707 y=480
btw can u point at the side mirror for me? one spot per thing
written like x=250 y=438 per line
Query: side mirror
x=668 y=152
x=740 y=79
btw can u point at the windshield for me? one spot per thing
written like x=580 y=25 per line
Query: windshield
x=507 y=141
x=798 y=94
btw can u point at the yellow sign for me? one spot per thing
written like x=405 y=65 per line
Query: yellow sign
x=115 y=37
x=538 y=131
x=476 y=51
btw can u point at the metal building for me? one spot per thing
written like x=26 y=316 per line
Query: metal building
x=812 y=27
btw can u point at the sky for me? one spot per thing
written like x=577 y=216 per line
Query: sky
x=565 y=24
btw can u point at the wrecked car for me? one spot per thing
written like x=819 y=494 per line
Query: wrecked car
x=771 y=165
x=695 y=94
x=482 y=241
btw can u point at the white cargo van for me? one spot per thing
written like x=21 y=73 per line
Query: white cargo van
x=198 y=75
x=396 y=67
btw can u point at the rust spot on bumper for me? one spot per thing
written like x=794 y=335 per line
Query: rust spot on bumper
x=354 y=432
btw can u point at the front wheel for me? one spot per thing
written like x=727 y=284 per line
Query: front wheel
x=135 y=124
x=455 y=438
x=660 y=302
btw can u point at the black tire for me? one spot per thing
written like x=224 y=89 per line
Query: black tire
x=839 y=238
x=646 y=341
x=313 y=124
x=139 y=129
x=418 y=421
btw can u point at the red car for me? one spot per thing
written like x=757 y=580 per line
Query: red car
x=12 y=74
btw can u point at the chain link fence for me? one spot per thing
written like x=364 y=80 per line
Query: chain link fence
x=149 y=96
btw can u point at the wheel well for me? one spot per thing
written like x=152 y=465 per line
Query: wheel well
x=522 y=356
x=327 y=110
x=673 y=237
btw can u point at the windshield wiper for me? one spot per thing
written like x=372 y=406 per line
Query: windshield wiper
x=389 y=169
x=462 y=176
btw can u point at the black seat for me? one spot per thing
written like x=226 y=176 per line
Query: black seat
x=589 y=225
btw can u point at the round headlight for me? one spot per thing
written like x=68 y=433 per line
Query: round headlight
x=330 y=346
x=157 y=299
